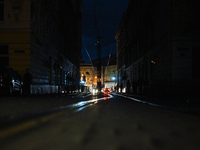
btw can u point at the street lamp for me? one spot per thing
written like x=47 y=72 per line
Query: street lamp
x=113 y=78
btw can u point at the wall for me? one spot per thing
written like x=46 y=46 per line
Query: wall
x=156 y=42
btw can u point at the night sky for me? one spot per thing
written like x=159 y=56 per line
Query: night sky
x=108 y=15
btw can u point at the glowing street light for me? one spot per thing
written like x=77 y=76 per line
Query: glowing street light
x=113 y=78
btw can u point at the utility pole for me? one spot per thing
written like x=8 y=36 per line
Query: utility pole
x=98 y=43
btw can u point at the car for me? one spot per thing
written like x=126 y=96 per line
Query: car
x=106 y=90
x=10 y=82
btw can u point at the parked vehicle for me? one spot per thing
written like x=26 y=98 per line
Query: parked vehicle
x=9 y=81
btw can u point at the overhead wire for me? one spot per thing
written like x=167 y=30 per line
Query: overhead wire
x=96 y=25
x=115 y=12
x=88 y=55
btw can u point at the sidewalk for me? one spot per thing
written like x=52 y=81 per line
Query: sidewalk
x=191 y=105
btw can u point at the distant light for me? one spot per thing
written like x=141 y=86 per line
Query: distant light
x=94 y=91
x=113 y=78
x=153 y=62
x=82 y=82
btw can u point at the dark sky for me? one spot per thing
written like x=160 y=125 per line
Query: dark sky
x=108 y=15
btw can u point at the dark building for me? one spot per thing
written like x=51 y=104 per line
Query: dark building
x=158 y=47
x=45 y=36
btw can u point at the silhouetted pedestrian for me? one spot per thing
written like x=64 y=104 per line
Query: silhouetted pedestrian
x=27 y=82
x=121 y=87
x=117 y=88
x=128 y=84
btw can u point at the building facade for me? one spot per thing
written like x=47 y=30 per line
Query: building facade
x=88 y=73
x=158 y=47
x=110 y=77
x=45 y=36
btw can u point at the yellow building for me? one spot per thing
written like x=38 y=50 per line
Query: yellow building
x=34 y=35
x=15 y=35
x=88 y=73
x=110 y=77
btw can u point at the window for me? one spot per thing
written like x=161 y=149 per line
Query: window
x=3 y=50
x=4 y=59
x=87 y=72
x=1 y=10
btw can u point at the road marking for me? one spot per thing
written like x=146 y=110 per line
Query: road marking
x=137 y=100
x=32 y=123
x=36 y=122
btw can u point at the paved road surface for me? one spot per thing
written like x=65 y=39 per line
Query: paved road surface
x=113 y=124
